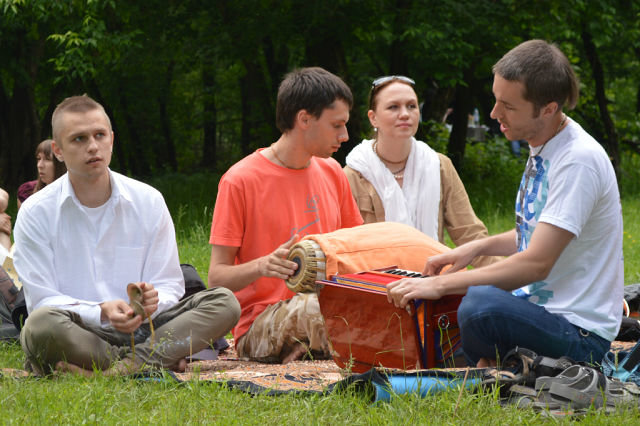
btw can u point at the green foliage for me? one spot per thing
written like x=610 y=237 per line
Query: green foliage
x=492 y=175
x=190 y=199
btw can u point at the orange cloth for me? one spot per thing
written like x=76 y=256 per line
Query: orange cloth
x=260 y=205
x=376 y=245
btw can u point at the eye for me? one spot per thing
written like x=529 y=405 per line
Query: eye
x=79 y=139
x=100 y=135
x=412 y=106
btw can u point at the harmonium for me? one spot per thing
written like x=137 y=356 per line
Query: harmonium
x=363 y=328
x=366 y=331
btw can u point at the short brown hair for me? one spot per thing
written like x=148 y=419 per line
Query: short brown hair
x=312 y=89
x=544 y=71
x=81 y=104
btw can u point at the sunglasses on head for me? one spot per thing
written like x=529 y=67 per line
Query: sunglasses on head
x=381 y=80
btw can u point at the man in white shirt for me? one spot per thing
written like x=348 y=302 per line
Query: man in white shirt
x=81 y=240
x=560 y=291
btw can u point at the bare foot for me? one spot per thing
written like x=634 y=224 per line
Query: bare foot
x=67 y=367
x=484 y=363
x=296 y=353
x=121 y=368
x=181 y=366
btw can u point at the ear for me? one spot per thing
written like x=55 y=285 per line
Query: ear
x=302 y=118
x=113 y=136
x=372 y=118
x=57 y=151
x=550 y=109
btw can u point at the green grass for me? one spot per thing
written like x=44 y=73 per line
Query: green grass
x=102 y=400
x=72 y=400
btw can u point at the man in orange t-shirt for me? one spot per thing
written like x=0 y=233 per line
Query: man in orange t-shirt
x=270 y=199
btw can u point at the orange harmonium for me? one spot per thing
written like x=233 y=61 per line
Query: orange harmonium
x=366 y=331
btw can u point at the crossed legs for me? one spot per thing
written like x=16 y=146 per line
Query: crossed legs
x=55 y=338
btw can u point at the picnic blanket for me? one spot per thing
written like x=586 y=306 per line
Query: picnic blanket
x=320 y=377
x=314 y=376
x=303 y=377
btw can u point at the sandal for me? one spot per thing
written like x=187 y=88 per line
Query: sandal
x=531 y=365
x=503 y=379
x=592 y=388
x=567 y=376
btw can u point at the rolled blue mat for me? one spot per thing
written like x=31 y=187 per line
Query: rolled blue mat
x=423 y=386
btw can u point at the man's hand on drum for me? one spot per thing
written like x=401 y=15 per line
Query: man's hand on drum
x=403 y=291
x=276 y=263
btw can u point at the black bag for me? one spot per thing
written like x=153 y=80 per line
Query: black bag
x=19 y=312
x=629 y=330
x=632 y=297
x=192 y=281
x=10 y=299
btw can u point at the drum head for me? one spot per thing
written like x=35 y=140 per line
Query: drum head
x=311 y=266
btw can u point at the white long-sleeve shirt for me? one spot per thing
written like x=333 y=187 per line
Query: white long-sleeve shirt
x=67 y=260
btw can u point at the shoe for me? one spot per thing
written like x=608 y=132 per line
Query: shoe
x=592 y=388
x=567 y=376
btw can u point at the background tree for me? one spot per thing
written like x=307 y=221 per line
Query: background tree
x=192 y=84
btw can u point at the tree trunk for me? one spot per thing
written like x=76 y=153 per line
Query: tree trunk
x=136 y=158
x=637 y=50
x=169 y=156
x=19 y=120
x=458 y=137
x=18 y=138
x=611 y=139
x=210 y=118
x=258 y=115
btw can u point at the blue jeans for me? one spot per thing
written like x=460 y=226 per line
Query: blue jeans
x=493 y=321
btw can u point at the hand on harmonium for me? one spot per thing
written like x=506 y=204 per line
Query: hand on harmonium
x=458 y=258
x=401 y=292
x=276 y=263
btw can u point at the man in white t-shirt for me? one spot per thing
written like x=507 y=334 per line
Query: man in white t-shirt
x=560 y=291
x=81 y=240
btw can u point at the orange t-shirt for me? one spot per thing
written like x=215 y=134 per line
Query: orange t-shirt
x=260 y=205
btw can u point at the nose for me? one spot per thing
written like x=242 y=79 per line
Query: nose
x=344 y=135
x=404 y=112
x=93 y=144
x=494 y=112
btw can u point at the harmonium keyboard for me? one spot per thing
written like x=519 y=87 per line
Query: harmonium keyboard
x=366 y=331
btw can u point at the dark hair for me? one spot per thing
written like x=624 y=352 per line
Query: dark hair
x=544 y=71
x=376 y=88
x=59 y=168
x=81 y=103
x=311 y=89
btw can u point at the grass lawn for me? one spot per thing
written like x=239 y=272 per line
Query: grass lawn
x=72 y=400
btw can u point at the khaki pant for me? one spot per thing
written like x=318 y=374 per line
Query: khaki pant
x=51 y=334
x=277 y=330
